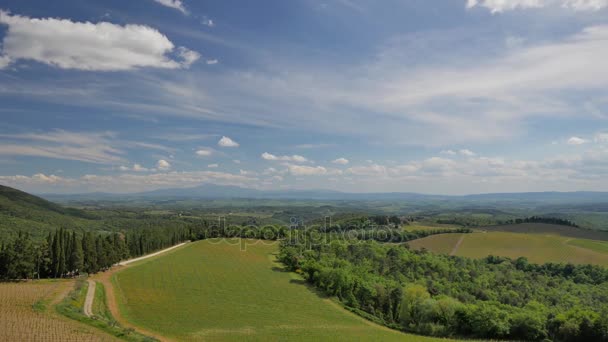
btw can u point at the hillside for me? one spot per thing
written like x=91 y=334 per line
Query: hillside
x=20 y=211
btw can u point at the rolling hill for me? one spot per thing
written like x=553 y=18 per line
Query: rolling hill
x=20 y=211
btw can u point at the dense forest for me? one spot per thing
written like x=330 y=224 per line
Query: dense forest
x=493 y=298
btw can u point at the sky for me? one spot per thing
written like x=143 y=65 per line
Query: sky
x=441 y=97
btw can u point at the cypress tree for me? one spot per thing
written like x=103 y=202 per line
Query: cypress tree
x=77 y=255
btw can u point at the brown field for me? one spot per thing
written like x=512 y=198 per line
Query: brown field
x=27 y=314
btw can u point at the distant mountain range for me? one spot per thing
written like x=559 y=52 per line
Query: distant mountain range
x=212 y=191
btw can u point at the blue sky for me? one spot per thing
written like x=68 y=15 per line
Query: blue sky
x=450 y=97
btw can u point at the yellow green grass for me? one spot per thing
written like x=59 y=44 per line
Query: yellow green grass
x=538 y=248
x=214 y=291
x=441 y=243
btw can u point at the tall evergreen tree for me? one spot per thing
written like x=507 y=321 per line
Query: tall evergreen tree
x=76 y=256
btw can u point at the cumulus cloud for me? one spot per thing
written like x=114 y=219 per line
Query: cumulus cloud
x=497 y=6
x=41 y=177
x=448 y=152
x=212 y=61
x=102 y=46
x=205 y=152
x=227 y=142
x=213 y=166
x=304 y=170
x=341 y=161
x=294 y=158
x=175 y=4
x=576 y=141
x=139 y=168
x=163 y=165
x=467 y=153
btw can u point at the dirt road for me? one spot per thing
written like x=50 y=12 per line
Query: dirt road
x=88 y=302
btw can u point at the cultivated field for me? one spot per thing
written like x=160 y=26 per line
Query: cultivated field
x=215 y=291
x=553 y=229
x=538 y=248
x=27 y=314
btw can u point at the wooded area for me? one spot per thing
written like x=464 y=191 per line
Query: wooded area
x=442 y=295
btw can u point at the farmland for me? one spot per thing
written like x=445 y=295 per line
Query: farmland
x=215 y=291
x=538 y=248
x=27 y=314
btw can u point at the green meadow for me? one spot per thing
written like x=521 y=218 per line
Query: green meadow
x=215 y=291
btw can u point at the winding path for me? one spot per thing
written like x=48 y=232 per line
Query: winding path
x=88 y=302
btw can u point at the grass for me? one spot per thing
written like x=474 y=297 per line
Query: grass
x=597 y=246
x=441 y=243
x=538 y=248
x=215 y=291
x=72 y=306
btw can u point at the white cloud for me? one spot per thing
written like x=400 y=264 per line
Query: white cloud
x=91 y=147
x=294 y=158
x=204 y=152
x=41 y=177
x=212 y=61
x=208 y=22
x=213 y=166
x=128 y=182
x=448 y=152
x=89 y=46
x=467 y=153
x=188 y=56
x=497 y=6
x=139 y=168
x=247 y=173
x=576 y=141
x=341 y=161
x=236 y=161
x=136 y=168
x=304 y=170
x=227 y=142
x=163 y=165
x=175 y=4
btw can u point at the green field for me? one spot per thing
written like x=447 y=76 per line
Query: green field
x=215 y=291
x=598 y=246
x=538 y=248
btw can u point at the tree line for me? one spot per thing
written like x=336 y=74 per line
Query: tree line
x=67 y=253
x=540 y=219
x=449 y=296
